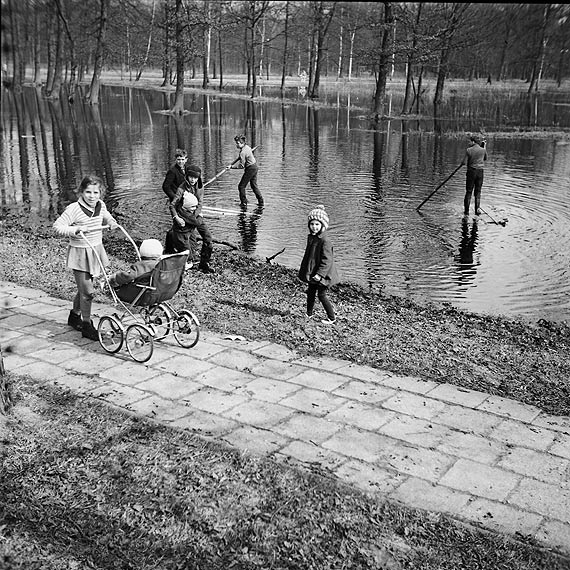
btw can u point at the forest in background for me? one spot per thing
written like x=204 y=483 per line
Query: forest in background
x=59 y=43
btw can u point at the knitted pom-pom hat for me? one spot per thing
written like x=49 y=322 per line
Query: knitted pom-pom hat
x=320 y=215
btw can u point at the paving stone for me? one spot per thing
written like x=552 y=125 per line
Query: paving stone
x=259 y=414
x=277 y=351
x=170 y=387
x=418 y=493
x=467 y=420
x=556 y=423
x=93 y=362
x=525 y=435
x=480 y=480
x=308 y=428
x=246 y=345
x=256 y=441
x=56 y=353
x=226 y=379
x=277 y=369
x=269 y=390
x=414 y=405
x=556 y=534
x=309 y=453
x=118 y=395
x=502 y=518
x=542 y=498
x=29 y=344
x=216 y=401
x=184 y=366
x=536 y=464
x=561 y=446
x=365 y=392
x=7 y=336
x=458 y=395
x=81 y=383
x=158 y=408
x=204 y=423
x=367 y=477
x=319 y=380
x=203 y=350
x=236 y=359
x=313 y=402
x=361 y=415
x=129 y=372
x=14 y=362
x=509 y=408
x=471 y=446
x=35 y=308
x=41 y=371
x=408 y=383
x=389 y=453
x=417 y=431
x=20 y=321
x=367 y=373
x=320 y=362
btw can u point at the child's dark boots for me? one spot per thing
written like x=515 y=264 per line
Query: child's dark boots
x=74 y=320
x=89 y=331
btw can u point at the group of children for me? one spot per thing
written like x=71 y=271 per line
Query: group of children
x=83 y=222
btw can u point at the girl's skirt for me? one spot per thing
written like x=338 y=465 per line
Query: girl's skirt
x=85 y=259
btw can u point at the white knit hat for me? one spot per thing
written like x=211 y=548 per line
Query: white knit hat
x=190 y=201
x=320 y=215
x=151 y=248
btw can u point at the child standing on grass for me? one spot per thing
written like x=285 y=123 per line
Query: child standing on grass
x=86 y=215
x=182 y=237
x=318 y=268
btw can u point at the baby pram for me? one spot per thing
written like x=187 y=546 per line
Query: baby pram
x=145 y=314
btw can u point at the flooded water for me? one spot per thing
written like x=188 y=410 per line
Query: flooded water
x=371 y=178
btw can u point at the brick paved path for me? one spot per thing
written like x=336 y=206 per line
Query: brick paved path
x=475 y=456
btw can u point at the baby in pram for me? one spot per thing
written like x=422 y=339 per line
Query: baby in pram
x=150 y=252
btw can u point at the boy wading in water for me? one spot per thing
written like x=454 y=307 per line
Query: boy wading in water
x=247 y=161
x=475 y=157
x=318 y=268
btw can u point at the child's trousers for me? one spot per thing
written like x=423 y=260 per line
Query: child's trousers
x=320 y=290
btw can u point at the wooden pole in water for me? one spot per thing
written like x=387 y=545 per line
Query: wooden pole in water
x=448 y=178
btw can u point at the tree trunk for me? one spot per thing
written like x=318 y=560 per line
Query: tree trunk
x=221 y=59
x=166 y=70
x=539 y=60
x=207 y=46
x=148 y=44
x=411 y=60
x=351 y=54
x=383 y=64
x=94 y=88
x=178 y=106
x=285 y=45
x=322 y=23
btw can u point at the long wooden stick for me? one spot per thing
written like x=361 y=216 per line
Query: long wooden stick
x=439 y=186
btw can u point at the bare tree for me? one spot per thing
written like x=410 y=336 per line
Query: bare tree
x=93 y=96
x=453 y=14
x=322 y=14
x=178 y=106
x=384 y=60
x=538 y=63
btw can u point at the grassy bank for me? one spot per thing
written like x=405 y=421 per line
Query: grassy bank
x=249 y=297
x=101 y=489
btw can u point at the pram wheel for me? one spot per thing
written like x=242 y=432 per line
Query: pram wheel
x=111 y=334
x=160 y=318
x=186 y=329
x=140 y=342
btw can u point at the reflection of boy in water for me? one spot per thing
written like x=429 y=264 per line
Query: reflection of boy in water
x=468 y=243
x=475 y=157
